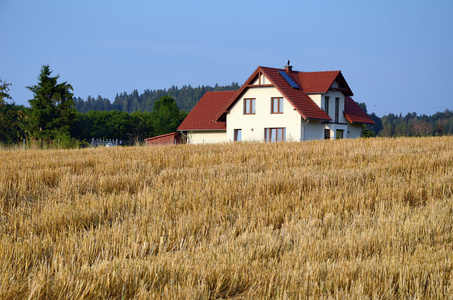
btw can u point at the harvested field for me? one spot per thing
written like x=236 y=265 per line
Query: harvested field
x=365 y=218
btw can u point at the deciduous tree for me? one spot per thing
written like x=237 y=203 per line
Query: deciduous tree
x=166 y=115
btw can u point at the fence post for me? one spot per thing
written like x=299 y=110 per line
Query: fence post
x=24 y=144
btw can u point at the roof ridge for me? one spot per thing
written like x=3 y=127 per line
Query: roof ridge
x=221 y=91
x=271 y=68
x=295 y=71
x=318 y=71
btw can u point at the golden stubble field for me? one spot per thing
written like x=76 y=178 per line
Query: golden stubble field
x=366 y=218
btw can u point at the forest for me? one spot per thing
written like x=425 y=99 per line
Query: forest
x=55 y=114
x=185 y=97
x=392 y=125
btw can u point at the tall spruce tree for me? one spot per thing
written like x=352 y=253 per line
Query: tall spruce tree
x=52 y=107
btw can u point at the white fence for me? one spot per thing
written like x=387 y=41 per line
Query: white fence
x=105 y=142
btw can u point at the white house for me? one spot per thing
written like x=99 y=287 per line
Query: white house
x=278 y=105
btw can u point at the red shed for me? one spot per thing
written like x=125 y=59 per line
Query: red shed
x=165 y=139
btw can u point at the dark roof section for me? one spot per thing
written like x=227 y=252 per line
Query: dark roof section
x=354 y=113
x=203 y=115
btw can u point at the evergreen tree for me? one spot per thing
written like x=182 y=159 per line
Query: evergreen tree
x=52 y=107
x=186 y=98
x=12 y=117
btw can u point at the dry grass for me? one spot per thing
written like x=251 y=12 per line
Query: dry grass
x=369 y=218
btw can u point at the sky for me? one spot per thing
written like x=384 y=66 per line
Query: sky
x=395 y=55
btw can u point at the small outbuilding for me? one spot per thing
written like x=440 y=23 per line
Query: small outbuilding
x=165 y=139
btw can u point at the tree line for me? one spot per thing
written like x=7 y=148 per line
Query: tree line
x=392 y=125
x=55 y=114
x=52 y=117
x=186 y=98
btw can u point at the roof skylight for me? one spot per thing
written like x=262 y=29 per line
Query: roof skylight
x=288 y=79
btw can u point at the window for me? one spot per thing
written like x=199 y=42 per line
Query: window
x=238 y=135
x=276 y=105
x=326 y=104
x=274 y=134
x=327 y=134
x=339 y=134
x=337 y=109
x=249 y=106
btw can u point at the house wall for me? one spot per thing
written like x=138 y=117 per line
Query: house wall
x=332 y=95
x=333 y=130
x=206 y=137
x=318 y=99
x=355 y=131
x=313 y=130
x=263 y=79
x=253 y=125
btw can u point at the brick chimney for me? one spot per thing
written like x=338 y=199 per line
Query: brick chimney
x=288 y=68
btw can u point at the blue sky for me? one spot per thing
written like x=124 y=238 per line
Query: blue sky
x=395 y=55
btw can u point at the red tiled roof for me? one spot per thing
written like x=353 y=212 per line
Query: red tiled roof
x=203 y=115
x=214 y=105
x=300 y=100
x=354 y=113
x=317 y=82
x=298 y=97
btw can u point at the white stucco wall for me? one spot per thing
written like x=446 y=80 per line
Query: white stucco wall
x=355 y=131
x=318 y=99
x=314 y=130
x=260 y=80
x=253 y=125
x=206 y=137
x=332 y=95
x=333 y=130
